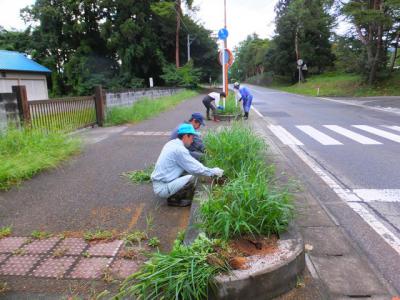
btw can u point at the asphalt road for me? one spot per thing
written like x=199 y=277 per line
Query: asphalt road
x=355 y=150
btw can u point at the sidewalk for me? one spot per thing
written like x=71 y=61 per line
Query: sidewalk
x=89 y=193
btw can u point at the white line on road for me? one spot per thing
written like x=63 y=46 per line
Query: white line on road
x=284 y=136
x=397 y=128
x=379 y=132
x=256 y=111
x=318 y=135
x=352 y=135
x=349 y=197
x=384 y=195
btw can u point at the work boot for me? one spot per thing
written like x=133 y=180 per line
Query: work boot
x=216 y=119
x=246 y=115
x=184 y=196
x=179 y=202
x=208 y=117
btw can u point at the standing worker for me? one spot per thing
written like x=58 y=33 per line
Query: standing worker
x=246 y=96
x=207 y=101
x=197 y=148
x=175 y=159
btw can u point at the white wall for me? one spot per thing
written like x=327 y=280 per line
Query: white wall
x=36 y=84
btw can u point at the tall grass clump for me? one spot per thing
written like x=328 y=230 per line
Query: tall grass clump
x=247 y=205
x=235 y=148
x=187 y=272
x=25 y=152
x=230 y=106
x=145 y=109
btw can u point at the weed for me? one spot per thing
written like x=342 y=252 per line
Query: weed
x=184 y=273
x=98 y=235
x=60 y=252
x=154 y=242
x=135 y=237
x=19 y=252
x=145 y=109
x=107 y=276
x=86 y=254
x=25 y=152
x=149 y=223
x=40 y=235
x=5 y=231
x=231 y=107
x=140 y=176
x=4 y=287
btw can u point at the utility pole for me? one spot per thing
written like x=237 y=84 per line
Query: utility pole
x=189 y=43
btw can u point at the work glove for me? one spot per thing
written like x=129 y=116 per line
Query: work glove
x=217 y=172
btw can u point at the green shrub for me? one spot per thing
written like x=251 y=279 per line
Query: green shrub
x=140 y=176
x=184 y=273
x=246 y=205
x=25 y=152
x=186 y=76
x=230 y=105
x=233 y=149
x=145 y=109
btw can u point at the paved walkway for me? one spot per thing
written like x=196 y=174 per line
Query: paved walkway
x=88 y=193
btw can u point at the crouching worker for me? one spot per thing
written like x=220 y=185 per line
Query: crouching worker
x=168 y=176
x=208 y=103
x=197 y=148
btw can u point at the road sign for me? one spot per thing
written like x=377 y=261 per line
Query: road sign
x=299 y=62
x=223 y=34
x=227 y=58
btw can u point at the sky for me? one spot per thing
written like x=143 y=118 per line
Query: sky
x=243 y=17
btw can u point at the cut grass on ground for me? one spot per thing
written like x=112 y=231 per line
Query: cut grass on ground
x=25 y=152
x=145 y=109
x=343 y=85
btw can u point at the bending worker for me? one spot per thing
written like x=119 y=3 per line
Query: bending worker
x=175 y=159
x=197 y=148
x=246 y=96
x=207 y=101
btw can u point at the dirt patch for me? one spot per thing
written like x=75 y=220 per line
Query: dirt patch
x=238 y=263
x=248 y=246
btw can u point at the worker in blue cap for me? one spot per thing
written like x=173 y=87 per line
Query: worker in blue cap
x=246 y=96
x=197 y=148
x=168 y=176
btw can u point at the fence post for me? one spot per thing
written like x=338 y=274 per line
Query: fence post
x=22 y=102
x=99 y=104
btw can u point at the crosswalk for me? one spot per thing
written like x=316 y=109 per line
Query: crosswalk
x=335 y=135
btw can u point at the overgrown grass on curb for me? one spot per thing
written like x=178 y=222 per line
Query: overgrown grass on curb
x=25 y=152
x=145 y=109
x=184 y=273
x=230 y=106
x=249 y=203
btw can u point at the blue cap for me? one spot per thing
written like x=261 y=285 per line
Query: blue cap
x=198 y=117
x=186 y=129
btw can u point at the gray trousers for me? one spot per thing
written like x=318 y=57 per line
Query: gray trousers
x=167 y=189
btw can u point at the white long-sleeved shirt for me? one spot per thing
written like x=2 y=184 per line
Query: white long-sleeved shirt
x=174 y=159
x=216 y=96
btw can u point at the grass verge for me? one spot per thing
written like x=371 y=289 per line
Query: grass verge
x=145 y=109
x=343 y=85
x=230 y=106
x=25 y=152
x=140 y=176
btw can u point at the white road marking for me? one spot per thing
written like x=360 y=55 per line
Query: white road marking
x=379 y=132
x=368 y=217
x=318 y=135
x=384 y=195
x=256 y=111
x=397 y=128
x=349 y=197
x=146 y=133
x=285 y=137
x=352 y=135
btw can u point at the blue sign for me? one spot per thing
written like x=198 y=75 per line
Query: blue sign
x=223 y=34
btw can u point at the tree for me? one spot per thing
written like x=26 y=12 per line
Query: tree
x=303 y=29
x=372 y=21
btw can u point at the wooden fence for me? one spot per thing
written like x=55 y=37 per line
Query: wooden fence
x=63 y=114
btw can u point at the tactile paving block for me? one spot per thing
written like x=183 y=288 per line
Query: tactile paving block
x=105 y=249
x=54 y=267
x=90 y=268
x=10 y=244
x=19 y=265
x=72 y=246
x=122 y=268
x=41 y=246
x=3 y=257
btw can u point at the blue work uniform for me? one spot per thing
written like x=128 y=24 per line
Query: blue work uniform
x=247 y=98
x=173 y=161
